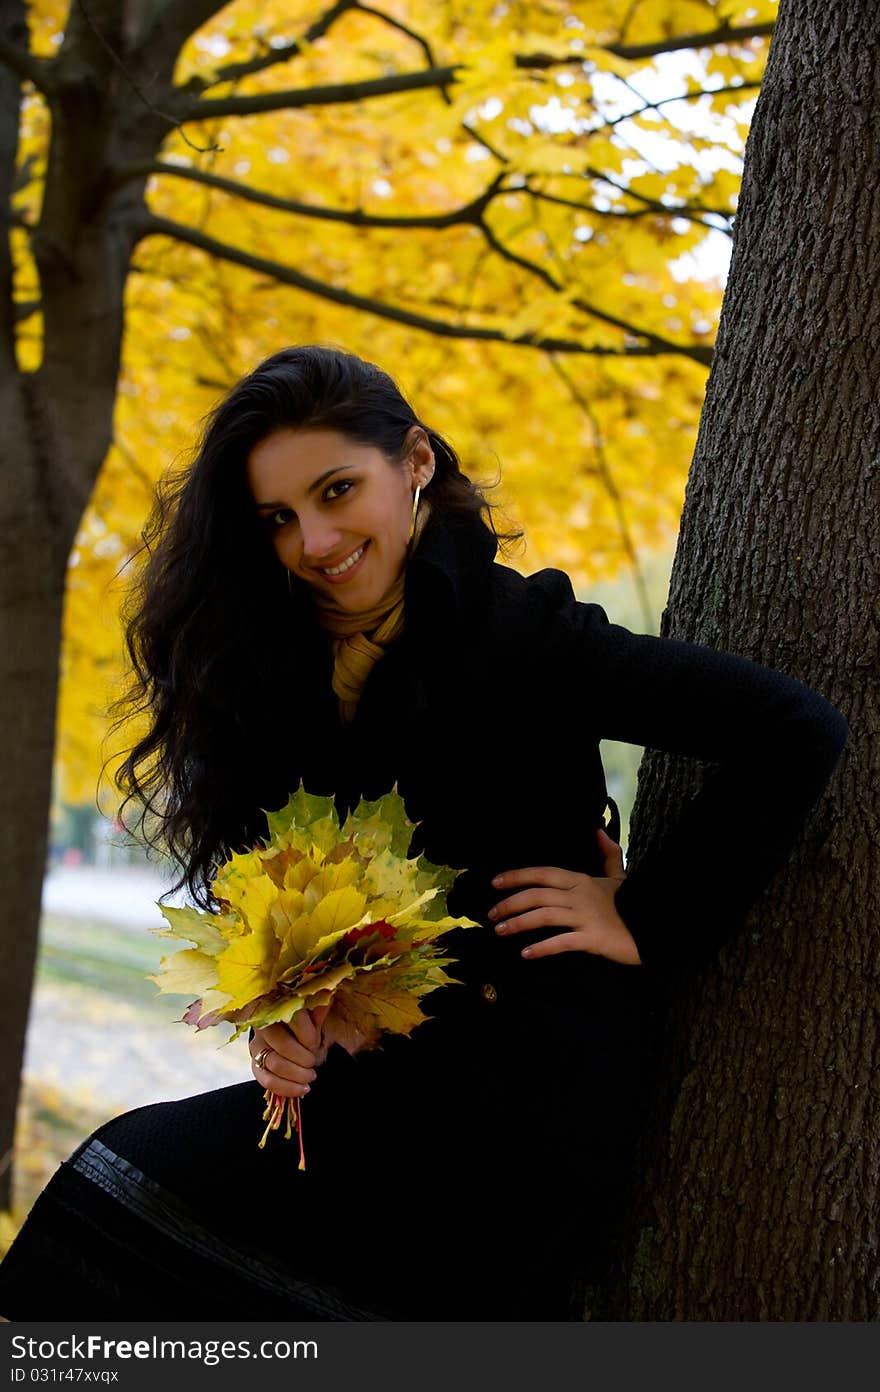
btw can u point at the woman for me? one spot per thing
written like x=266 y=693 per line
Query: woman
x=322 y=602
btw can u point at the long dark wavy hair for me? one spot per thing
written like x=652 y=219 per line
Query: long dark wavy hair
x=203 y=616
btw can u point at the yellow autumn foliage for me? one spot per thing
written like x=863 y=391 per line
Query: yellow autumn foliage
x=582 y=242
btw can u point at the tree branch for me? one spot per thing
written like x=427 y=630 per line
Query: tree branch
x=15 y=34
x=98 y=28
x=433 y=76
x=323 y=95
x=26 y=66
x=689 y=211
x=168 y=28
x=635 y=52
x=428 y=54
x=234 y=72
x=651 y=204
x=654 y=340
x=664 y=101
x=725 y=33
x=150 y=225
x=354 y=217
x=400 y=27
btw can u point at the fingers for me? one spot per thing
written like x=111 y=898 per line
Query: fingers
x=622 y=952
x=305 y=1030
x=290 y=1044
x=294 y=1082
x=612 y=853
x=319 y=1014
x=555 y=877
x=281 y=1062
x=551 y=875
x=564 y=942
x=531 y=911
x=308 y=1029
x=286 y=1086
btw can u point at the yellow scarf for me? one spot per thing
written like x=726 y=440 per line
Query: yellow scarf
x=360 y=639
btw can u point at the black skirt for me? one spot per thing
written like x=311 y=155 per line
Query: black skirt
x=469 y=1171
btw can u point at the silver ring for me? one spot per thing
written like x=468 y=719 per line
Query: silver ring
x=260 y=1058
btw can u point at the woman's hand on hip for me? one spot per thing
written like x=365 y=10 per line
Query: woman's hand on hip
x=583 y=904
x=291 y=1054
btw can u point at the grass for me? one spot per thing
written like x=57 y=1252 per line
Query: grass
x=105 y=957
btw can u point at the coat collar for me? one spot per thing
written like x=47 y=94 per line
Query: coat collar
x=446 y=573
x=445 y=591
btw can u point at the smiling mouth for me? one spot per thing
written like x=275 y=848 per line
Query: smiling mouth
x=333 y=572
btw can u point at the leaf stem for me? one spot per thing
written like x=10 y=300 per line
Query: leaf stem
x=299 y=1127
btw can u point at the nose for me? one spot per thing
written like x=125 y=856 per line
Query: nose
x=319 y=542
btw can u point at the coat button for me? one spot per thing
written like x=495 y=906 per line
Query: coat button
x=488 y=992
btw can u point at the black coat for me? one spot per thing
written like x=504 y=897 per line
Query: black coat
x=488 y=713
x=464 y=1171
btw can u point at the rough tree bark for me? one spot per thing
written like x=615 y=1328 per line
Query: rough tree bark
x=758 y=1191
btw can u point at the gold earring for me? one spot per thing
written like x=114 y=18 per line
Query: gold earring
x=419 y=487
x=412 y=524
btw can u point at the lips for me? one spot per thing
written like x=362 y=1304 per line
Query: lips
x=322 y=570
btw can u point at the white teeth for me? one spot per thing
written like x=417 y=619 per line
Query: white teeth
x=347 y=565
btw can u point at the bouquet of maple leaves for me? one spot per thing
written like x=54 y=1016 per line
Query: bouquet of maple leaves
x=319 y=915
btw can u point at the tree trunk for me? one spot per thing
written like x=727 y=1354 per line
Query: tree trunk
x=57 y=427
x=758 y=1189
x=32 y=567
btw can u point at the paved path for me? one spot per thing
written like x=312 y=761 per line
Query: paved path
x=125 y=895
x=112 y=1056
x=108 y=1053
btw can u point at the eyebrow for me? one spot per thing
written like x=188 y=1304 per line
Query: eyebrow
x=262 y=507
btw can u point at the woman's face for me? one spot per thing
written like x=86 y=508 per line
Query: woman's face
x=324 y=499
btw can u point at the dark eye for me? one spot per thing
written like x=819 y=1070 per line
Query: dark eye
x=346 y=484
x=340 y=483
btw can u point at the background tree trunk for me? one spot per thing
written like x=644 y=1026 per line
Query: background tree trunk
x=758 y=1192
x=32 y=567
x=57 y=429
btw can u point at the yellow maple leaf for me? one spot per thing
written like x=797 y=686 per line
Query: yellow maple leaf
x=285 y=910
x=329 y=878
x=187 y=973
x=207 y=931
x=248 y=967
x=338 y=911
x=300 y=871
